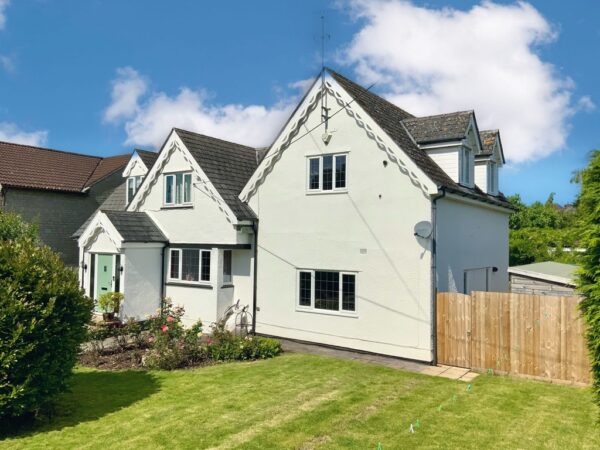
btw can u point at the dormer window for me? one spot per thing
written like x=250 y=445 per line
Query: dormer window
x=493 y=177
x=133 y=184
x=466 y=167
x=178 y=189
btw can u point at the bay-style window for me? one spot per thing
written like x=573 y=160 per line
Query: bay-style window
x=226 y=266
x=189 y=265
x=327 y=173
x=178 y=189
x=133 y=184
x=327 y=290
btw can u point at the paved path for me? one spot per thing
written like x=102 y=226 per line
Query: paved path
x=453 y=373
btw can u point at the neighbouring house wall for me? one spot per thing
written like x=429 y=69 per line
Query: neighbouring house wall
x=57 y=214
x=141 y=281
x=471 y=238
x=448 y=159
x=369 y=231
x=520 y=284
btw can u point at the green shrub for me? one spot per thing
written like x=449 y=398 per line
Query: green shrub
x=110 y=302
x=12 y=228
x=173 y=346
x=43 y=317
x=588 y=281
x=225 y=346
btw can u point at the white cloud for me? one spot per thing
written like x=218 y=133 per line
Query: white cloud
x=127 y=89
x=430 y=61
x=7 y=63
x=148 y=117
x=10 y=132
x=3 y=6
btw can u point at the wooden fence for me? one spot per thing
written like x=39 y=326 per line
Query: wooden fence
x=538 y=336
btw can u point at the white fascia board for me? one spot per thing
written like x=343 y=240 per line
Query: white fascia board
x=293 y=122
x=127 y=245
x=542 y=276
x=480 y=203
x=172 y=144
x=131 y=164
x=343 y=101
x=441 y=145
x=102 y=221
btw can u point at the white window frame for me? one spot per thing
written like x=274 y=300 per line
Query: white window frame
x=137 y=180
x=179 y=279
x=493 y=177
x=466 y=167
x=228 y=278
x=173 y=203
x=311 y=308
x=320 y=189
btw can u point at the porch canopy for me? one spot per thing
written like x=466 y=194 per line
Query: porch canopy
x=121 y=251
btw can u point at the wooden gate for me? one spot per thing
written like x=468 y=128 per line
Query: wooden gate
x=538 y=336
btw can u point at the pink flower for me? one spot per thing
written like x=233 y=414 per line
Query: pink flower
x=169 y=319
x=164 y=328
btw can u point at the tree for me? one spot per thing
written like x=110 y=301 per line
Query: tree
x=588 y=280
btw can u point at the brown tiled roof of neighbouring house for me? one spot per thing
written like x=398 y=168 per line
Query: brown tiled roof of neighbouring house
x=30 y=167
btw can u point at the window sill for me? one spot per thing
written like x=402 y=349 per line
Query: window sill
x=348 y=314
x=177 y=207
x=227 y=285
x=189 y=284
x=336 y=191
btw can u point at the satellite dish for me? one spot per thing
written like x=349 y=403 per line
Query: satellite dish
x=423 y=229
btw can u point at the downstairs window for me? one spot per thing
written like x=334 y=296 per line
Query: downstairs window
x=327 y=290
x=189 y=265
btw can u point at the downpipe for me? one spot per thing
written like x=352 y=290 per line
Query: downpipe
x=434 y=275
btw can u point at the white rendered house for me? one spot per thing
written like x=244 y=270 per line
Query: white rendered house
x=341 y=233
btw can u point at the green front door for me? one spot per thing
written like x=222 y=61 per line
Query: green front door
x=104 y=274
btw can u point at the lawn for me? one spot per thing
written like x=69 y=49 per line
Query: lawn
x=307 y=401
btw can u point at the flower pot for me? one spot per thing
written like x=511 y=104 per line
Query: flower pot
x=108 y=316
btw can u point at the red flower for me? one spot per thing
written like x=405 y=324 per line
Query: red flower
x=164 y=328
x=169 y=319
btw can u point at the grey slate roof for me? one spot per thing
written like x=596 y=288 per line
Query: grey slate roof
x=391 y=119
x=147 y=157
x=135 y=226
x=488 y=139
x=114 y=202
x=228 y=166
x=439 y=128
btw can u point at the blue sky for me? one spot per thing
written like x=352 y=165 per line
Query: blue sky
x=230 y=67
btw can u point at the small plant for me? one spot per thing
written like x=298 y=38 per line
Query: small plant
x=110 y=302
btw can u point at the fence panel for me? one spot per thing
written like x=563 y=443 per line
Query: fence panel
x=539 y=336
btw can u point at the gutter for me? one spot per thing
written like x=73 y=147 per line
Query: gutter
x=434 y=274
x=162 y=278
x=254 y=286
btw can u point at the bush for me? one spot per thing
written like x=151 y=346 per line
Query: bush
x=588 y=281
x=12 y=228
x=173 y=346
x=109 y=302
x=43 y=317
x=225 y=346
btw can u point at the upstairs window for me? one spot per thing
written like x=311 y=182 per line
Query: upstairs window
x=466 y=167
x=178 y=189
x=327 y=173
x=327 y=290
x=133 y=184
x=189 y=265
x=493 y=177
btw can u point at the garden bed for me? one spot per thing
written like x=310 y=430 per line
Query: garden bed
x=163 y=343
